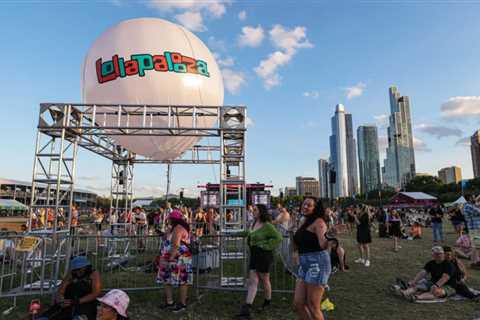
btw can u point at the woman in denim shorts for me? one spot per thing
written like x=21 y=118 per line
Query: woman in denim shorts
x=314 y=261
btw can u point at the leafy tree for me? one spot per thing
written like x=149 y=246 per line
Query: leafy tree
x=427 y=184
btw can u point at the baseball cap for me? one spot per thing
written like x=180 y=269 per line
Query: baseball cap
x=79 y=262
x=437 y=249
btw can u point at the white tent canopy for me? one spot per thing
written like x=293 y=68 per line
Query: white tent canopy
x=460 y=200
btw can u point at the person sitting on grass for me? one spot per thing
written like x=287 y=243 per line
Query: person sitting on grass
x=338 y=258
x=440 y=285
x=415 y=231
x=77 y=293
x=459 y=274
x=465 y=249
x=113 y=306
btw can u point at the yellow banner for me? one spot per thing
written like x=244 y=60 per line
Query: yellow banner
x=27 y=244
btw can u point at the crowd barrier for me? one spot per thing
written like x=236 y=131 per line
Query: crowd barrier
x=35 y=264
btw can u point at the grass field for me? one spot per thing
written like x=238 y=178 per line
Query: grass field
x=361 y=293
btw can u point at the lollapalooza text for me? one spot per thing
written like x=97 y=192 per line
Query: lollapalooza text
x=139 y=63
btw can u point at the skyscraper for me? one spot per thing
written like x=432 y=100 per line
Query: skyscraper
x=450 y=175
x=323 y=177
x=475 y=149
x=351 y=156
x=343 y=154
x=368 y=158
x=307 y=186
x=399 y=165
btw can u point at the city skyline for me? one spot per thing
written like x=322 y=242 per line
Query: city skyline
x=324 y=62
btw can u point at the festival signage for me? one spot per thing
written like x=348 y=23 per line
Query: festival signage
x=27 y=244
x=139 y=63
x=151 y=61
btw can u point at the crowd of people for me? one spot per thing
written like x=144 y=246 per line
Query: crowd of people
x=313 y=232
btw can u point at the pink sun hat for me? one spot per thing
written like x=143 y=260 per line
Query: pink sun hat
x=118 y=300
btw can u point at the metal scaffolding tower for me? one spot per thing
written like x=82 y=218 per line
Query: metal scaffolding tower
x=64 y=127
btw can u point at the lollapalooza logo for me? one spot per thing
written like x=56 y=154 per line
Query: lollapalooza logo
x=139 y=63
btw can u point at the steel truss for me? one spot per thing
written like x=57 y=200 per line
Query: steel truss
x=68 y=126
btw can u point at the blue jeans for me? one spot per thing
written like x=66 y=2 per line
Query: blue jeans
x=315 y=267
x=437 y=228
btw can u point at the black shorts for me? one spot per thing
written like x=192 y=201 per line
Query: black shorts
x=260 y=260
x=99 y=226
x=395 y=230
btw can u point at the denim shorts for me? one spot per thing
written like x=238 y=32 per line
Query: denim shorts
x=315 y=267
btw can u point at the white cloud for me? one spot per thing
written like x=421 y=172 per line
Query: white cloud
x=463 y=142
x=148 y=191
x=267 y=69
x=233 y=80
x=287 y=41
x=242 y=15
x=355 y=91
x=314 y=94
x=439 y=131
x=192 y=20
x=251 y=36
x=461 y=107
x=216 y=44
x=420 y=146
x=100 y=190
x=223 y=61
x=226 y=62
x=215 y=8
x=382 y=121
x=190 y=13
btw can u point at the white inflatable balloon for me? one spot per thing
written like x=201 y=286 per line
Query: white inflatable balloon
x=152 y=61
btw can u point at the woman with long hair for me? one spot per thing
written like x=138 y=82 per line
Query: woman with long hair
x=364 y=237
x=394 y=227
x=262 y=240
x=314 y=258
x=175 y=269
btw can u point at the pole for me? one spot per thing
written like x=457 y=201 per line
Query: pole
x=168 y=181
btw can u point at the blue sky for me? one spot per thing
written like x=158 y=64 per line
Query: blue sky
x=290 y=62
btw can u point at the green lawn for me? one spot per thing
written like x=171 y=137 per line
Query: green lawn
x=362 y=293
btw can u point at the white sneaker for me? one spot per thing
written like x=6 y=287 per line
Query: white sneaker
x=367 y=263
x=360 y=260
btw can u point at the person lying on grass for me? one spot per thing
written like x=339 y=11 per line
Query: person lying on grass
x=440 y=284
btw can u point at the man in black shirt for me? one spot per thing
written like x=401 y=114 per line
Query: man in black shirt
x=436 y=214
x=441 y=283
